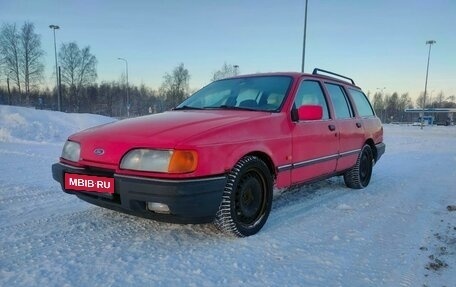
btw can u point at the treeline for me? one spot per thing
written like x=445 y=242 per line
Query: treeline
x=391 y=107
x=107 y=98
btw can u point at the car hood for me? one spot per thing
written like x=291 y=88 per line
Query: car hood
x=161 y=131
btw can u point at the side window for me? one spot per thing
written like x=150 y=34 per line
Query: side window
x=362 y=103
x=310 y=93
x=340 y=102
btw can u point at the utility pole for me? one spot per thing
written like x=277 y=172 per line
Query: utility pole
x=304 y=40
x=59 y=108
x=430 y=42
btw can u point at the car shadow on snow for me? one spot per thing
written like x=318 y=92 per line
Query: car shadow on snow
x=287 y=204
x=297 y=201
x=133 y=226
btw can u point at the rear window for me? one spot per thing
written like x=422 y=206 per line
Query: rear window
x=362 y=103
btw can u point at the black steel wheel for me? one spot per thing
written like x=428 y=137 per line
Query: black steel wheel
x=247 y=198
x=359 y=176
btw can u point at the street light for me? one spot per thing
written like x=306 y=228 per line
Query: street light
x=128 y=98
x=304 y=41
x=429 y=42
x=55 y=27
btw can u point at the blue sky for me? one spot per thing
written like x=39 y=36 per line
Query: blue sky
x=377 y=43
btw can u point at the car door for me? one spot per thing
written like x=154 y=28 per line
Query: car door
x=349 y=128
x=314 y=143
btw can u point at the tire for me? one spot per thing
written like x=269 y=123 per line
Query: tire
x=247 y=198
x=359 y=176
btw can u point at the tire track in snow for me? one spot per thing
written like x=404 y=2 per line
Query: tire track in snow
x=90 y=230
x=408 y=280
x=326 y=205
x=65 y=227
x=22 y=204
x=20 y=197
x=27 y=154
x=40 y=221
x=298 y=201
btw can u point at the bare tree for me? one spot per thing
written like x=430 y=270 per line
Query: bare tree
x=392 y=103
x=226 y=71
x=405 y=102
x=176 y=85
x=440 y=99
x=379 y=105
x=30 y=63
x=420 y=100
x=10 y=50
x=78 y=70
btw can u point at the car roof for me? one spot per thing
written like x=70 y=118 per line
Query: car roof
x=297 y=75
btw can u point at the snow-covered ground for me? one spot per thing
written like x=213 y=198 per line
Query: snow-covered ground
x=396 y=232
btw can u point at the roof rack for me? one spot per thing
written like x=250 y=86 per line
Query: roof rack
x=316 y=72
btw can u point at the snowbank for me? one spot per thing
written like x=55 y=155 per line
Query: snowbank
x=19 y=124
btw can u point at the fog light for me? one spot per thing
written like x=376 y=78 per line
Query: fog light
x=158 y=207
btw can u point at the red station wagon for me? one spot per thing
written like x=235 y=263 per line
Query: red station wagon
x=217 y=156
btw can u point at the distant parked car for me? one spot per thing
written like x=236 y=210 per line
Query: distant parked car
x=217 y=156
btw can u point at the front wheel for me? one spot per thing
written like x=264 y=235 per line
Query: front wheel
x=247 y=198
x=359 y=176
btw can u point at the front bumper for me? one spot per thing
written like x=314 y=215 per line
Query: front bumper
x=189 y=201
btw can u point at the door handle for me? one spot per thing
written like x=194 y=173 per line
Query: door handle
x=359 y=125
x=332 y=127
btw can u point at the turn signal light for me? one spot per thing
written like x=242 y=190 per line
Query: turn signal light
x=183 y=161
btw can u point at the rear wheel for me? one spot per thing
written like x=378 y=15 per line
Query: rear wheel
x=247 y=198
x=359 y=176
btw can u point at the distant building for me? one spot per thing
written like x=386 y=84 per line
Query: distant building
x=431 y=115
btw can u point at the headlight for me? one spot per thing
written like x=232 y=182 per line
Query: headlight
x=71 y=151
x=171 y=161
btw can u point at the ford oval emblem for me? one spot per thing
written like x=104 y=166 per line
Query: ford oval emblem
x=98 y=151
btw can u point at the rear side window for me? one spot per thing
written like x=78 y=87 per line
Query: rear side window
x=310 y=93
x=340 y=102
x=362 y=103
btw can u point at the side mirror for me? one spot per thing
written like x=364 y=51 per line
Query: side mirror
x=310 y=113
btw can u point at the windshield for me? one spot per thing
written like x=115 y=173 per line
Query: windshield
x=263 y=93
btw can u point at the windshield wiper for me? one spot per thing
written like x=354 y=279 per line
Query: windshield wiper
x=187 y=108
x=235 y=108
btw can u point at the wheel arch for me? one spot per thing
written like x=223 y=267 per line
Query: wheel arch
x=260 y=151
x=371 y=143
x=267 y=160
